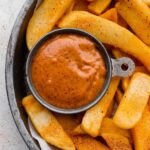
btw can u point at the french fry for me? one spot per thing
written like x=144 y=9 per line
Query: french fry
x=108 y=32
x=110 y=109
x=68 y=122
x=78 y=130
x=80 y=5
x=47 y=125
x=98 y=6
x=111 y=15
x=45 y=18
x=116 y=141
x=122 y=22
x=118 y=96
x=137 y=15
x=118 y=54
x=141 y=132
x=91 y=122
x=147 y=2
x=132 y=105
x=85 y=142
x=125 y=83
x=108 y=126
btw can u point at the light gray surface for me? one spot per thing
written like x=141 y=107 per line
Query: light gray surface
x=10 y=139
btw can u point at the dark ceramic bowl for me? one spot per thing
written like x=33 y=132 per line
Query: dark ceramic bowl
x=15 y=72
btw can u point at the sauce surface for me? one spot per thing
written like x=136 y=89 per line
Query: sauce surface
x=68 y=71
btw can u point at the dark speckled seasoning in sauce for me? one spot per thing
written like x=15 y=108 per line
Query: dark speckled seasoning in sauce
x=68 y=71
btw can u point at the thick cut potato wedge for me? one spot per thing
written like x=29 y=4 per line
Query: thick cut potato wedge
x=118 y=54
x=108 y=126
x=137 y=15
x=98 y=6
x=119 y=95
x=44 y=19
x=85 y=142
x=91 y=122
x=116 y=141
x=141 y=132
x=69 y=122
x=132 y=105
x=125 y=83
x=81 y=5
x=108 y=32
x=46 y=124
x=147 y=2
x=78 y=130
x=111 y=15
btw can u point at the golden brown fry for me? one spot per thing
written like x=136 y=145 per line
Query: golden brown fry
x=98 y=6
x=119 y=95
x=132 y=105
x=122 y=22
x=137 y=15
x=147 y=2
x=141 y=69
x=85 y=142
x=91 y=122
x=111 y=15
x=80 y=5
x=78 y=130
x=116 y=141
x=118 y=54
x=108 y=126
x=141 y=132
x=68 y=122
x=110 y=109
x=46 y=124
x=125 y=83
x=108 y=32
x=45 y=18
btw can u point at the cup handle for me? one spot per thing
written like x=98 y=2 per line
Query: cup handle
x=122 y=67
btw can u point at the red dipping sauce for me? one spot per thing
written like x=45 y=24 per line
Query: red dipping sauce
x=68 y=71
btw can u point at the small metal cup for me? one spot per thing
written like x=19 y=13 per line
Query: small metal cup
x=114 y=67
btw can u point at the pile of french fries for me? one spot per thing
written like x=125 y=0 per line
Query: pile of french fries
x=121 y=119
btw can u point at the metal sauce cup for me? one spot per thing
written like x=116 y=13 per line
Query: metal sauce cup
x=114 y=67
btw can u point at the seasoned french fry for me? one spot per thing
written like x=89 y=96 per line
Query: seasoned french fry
x=118 y=54
x=45 y=18
x=108 y=32
x=111 y=15
x=122 y=22
x=125 y=83
x=80 y=5
x=116 y=141
x=141 y=132
x=91 y=122
x=85 y=142
x=137 y=15
x=132 y=105
x=78 y=130
x=46 y=124
x=108 y=126
x=147 y=2
x=98 y=6
x=68 y=122
x=110 y=109
x=119 y=95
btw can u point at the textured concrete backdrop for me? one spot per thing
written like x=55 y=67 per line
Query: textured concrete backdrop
x=10 y=139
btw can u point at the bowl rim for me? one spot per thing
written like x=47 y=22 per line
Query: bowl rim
x=9 y=75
